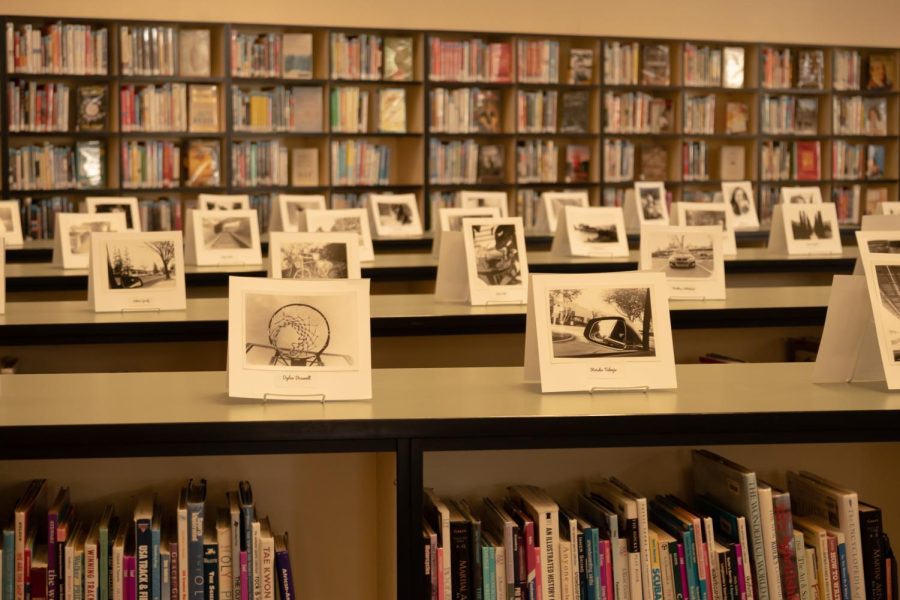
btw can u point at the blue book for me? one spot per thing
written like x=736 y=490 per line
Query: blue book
x=842 y=565
x=248 y=514
x=591 y=537
x=486 y=570
x=675 y=527
x=155 y=563
x=196 y=498
x=9 y=562
x=143 y=516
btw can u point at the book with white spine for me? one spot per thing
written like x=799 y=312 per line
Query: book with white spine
x=770 y=543
x=545 y=513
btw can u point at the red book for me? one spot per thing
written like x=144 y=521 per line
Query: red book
x=806 y=155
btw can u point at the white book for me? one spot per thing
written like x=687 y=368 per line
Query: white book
x=812 y=567
x=118 y=556
x=442 y=526
x=568 y=537
x=802 y=569
x=267 y=561
x=715 y=573
x=234 y=519
x=643 y=537
x=767 y=518
x=813 y=495
x=666 y=568
x=226 y=558
x=500 y=560
x=565 y=570
x=496 y=520
x=817 y=537
x=182 y=531
x=91 y=557
x=545 y=514
x=256 y=576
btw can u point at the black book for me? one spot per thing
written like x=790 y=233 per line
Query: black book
x=872 y=530
x=460 y=554
x=476 y=582
x=574 y=116
x=491 y=163
x=92 y=108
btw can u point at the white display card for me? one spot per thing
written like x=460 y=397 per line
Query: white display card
x=116 y=204
x=11 y=220
x=299 y=340
x=353 y=220
x=811 y=194
x=799 y=229
x=738 y=197
x=691 y=259
x=599 y=332
x=699 y=214
x=289 y=212
x=450 y=219
x=223 y=202
x=72 y=236
x=552 y=203
x=889 y=208
x=222 y=237
x=591 y=231
x=136 y=272
x=646 y=204
x=305 y=255
x=395 y=215
x=482 y=199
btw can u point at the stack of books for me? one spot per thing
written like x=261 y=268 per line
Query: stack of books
x=52 y=167
x=39 y=217
x=620 y=63
x=847 y=70
x=695 y=161
x=161 y=214
x=855 y=115
x=777 y=68
x=148 y=50
x=790 y=115
x=848 y=161
x=702 y=66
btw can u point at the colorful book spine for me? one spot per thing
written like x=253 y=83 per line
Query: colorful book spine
x=174 y=559
x=155 y=564
x=741 y=570
x=143 y=543
x=245 y=577
x=196 y=579
x=842 y=566
x=8 y=565
x=52 y=557
x=211 y=571
x=285 y=575
x=129 y=581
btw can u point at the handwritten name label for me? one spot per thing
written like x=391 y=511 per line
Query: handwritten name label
x=683 y=288
x=140 y=300
x=287 y=378
x=607 y=372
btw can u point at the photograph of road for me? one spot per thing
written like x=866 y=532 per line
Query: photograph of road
x=80 y=235
x=226 y=233
x=888 y=277
x=140 y=265
x=682 y=255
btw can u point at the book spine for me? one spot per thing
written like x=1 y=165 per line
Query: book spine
x=787 y=554
x=247 y=516
x=770 y=542
x=155 y=566
x=20 y=524
x=210 y=572
x=633 y=542
x=90 y=572
x=165 y=570
x=182 y=562
x=871 y=530
x=143 y=541
x=757 y=545
x=741 y=570
x=226 y=564
x=460 y=555
x=683 y=571
x=103 y=545
x=532 y=561
x=604 y=588
x=267 y=568
x=8 y=588
x=587 y=550
x=196 y=579
x=256 y=571
x=834 y=569
x=52 y=557
x=128 y=578
x=565 y=573
x=285 y=576
x=175 y=559
x=666 y=568
x=245 y=576
x=476 y=584
x=842 y=565
x=655 y=569
x=802 y=567
x=38 y=579
x=690 y=565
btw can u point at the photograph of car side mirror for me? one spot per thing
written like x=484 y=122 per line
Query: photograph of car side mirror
x=613 y=332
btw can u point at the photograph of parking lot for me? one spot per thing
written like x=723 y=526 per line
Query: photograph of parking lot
x=681 y=254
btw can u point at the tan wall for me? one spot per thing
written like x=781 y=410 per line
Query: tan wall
x=866 y=23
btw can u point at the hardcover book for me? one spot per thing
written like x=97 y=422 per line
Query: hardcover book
x=578 y=163
x=875 y=161
x=808 y=163
x=654 y=162
x=398 y=58
x=92 y=107
x=392 y=110
x=581 y=65
x=194 y=53
x=731 y=163
x=297 y=49
x=90 y=164
x=655 y=70
x=880 y=72
x=575 y=107
x=736 y=117
x=305 y=167
x=203 y=163
x=811 y=69
x=491 y=163
x=308 y=102
x=733 y=76
x=204 y=108
x=875 y=116
x=487 y=111
x=807 y=118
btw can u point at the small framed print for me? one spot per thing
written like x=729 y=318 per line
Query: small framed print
x=137 y=271
x=883 y=282
x=128 y=206
x=552 y=204
x=700 y=214
x=11 y=220
x=450 y=219
x=222 y=237
x=883 y=208
x=805 y=229
x=481 y=199
x=591 y=231
x=801 y=195
x=72 y=236
x=353 y=220
x=496 y=266
x=738 y=197
x=299 y=340
x=223 y=202
x=602 y=331
x=289 y=212
x=395 y=215
x=646 y=204
x=306 y=255
x=691 y=259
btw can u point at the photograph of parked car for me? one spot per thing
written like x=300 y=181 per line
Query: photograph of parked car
x=681 y=254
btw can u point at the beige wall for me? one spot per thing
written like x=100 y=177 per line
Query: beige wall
x=864 y=23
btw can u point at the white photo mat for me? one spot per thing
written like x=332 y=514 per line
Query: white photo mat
x=395 y=215
x=11 y=220
x=496 y=262
x=590 y=231
x=72 y=236
x=289 y=212
x=127 y=205
x=304 y=255
x=805 y=229
x=690 y=258
x=222 y=237
x=450 y=219
x=810 y=194
x=553 y=202
x=484 y=199
x=355 y=220
x=738 y=197
x=696 y=214
x=223 y=202
x=646 y=204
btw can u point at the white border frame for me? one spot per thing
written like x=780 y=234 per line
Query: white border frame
x=687 y=288
x=14 y=238
x=729 y=244
x=499 y=200
x=366 y=250
x=219 y=199
x=62 y=249
x=414 y=229
x=198 y=254
x=551 y=207
x=639 y=207
x=565 y=241
x=279 y=214
x=92 y=202
x=750 y=219
x=481 y=293
x=278 y=239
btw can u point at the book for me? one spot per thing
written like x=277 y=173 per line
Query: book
x=477 y=580
x=575 y=113
x=545 y=514
x=770 y=541
x=784 y=538
x=92 y=106
x=38 y=575
x=875 y=116
x=392 y=110
x=880 y=72
x=106 y=530
x=194 y=53
x=209 y=559
x=74 y=556
x=305 y=167
x=460 y=554
x=581 y=65
x=654 y=162
x=90 y=164
x=625 y=505
x=194 y=503
x=731 y=163
x=806 y=119
x=872 y=529
x=247 y=518
x=874 y=197
x=168 y=573
x=810 y=69
x=267 y=560
x=225 y=556
x=498 y=522
x=578 y=164
x=486 y=112
x=733 y=58
x=737 y=115
x=284 y=574
x=308 y=101
x=398 y=58
x=129 y=576
x=30 y=506
x=437 y=512
x=530 y=566
x=143 y=516
x=875 y=161
x=297 y=51
x=806 y=161
x=203 y=164
x=56 y=510
x=491 y=163
x=91 y=559
x=203 y=108
x=655 y=69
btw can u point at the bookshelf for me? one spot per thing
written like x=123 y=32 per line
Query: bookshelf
x=700 y=116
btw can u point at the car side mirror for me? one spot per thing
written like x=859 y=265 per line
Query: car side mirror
x=607 y=331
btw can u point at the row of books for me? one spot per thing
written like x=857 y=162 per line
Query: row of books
x=536 y=111
x=368 y=57
x=857 y=161
x=259 y=163
x=150 y=164
x=847 y=70
x=49 y=167
x=856 y=115
x=160 y=107
x=350 y=110
x=700 y=114
x=453 y=162
x=618 y=160
x=37 y=106
x=739 y=538
x=777 y=68
x=281 y=55
x=789 y=115
x=621 y=62
x=164 y=50
x=474 y=60
x=262 y=204
x=703 y=66
x=464 y=110
x=70 y=49
x=537 y=61
x=537 y=161
x=279 y=108
x=636 y=112
x=161 y=214
x=163 y=550
x=783 y=160
x=39 y=215
x=694 y=161
x=357 y=162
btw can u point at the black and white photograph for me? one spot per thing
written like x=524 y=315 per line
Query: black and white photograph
x=681 y=255
x=801 y=195
x=455 y=220
x=80 y=235
x=810 y=223
x=223 y=205
x=739 y=199
x=138 y=264
x=295 y=210
x=888 y=277
x=6 y=218
x=394 y=215
x=482 y=199
x=344 y=220
x=226 y=233
x=700 y=217
x=300 y=331
x=652 y=203
x=884 y=246
x=125 y=209
x=342 y=224
x=311 y=260
x=601 y=321
x=497 y=254
x=596 y=233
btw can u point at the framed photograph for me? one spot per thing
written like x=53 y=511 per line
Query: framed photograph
x=805 y=229
x=289 y=212
x=222 y=237
x=223 y=202
x=128 y=206
x=883 y=282
x=496 y=266
x=450 y=219
x=313 y=256
x=477 y=199
x=599 y=331
x=353 y=220
x=590 y=231
x=72 y=236
x=650 y=200
x=299 y=340
x=691 y=258
x=552 y=203
x=11 y=219
x=884 y=208
x=395 y=215
x=702 y=214
x=137 y=271
x=738 y=196
x=801 y=195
